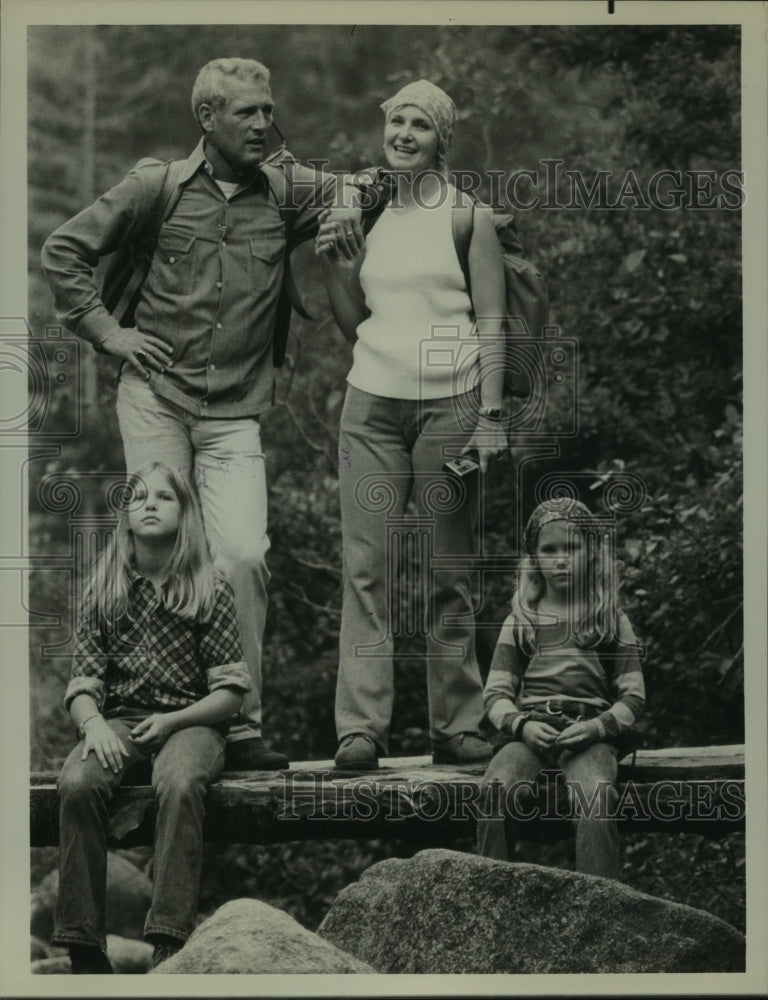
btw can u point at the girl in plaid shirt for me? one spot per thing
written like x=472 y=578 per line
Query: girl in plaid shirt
x=565 y=683
x=157 y=671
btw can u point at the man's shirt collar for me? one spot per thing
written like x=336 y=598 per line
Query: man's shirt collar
x=197 y=160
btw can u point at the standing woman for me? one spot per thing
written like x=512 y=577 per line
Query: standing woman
x=408 y=410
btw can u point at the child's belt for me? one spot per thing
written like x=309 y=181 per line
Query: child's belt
x=571 y=709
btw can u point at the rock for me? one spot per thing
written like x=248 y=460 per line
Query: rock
x=249 y=936
x=43 y=905
x=58 y=966
x=38 y=949
x=446 y=912
x=129 y=892
x=128 y=956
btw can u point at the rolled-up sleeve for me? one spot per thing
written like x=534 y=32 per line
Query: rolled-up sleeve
x=229 y=675
x=220 y=650
x=89 y=666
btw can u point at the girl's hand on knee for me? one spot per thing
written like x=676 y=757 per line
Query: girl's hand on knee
x=579 y=736
x=153 y=731
x=105 y=744
x=538 y=735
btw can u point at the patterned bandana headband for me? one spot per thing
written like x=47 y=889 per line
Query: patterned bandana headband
x=557 y=509
x=435 y=104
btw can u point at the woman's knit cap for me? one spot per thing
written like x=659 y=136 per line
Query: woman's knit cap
x=435 y=104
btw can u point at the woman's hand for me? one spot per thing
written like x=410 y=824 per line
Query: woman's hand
x=538 y=735
x=101 y=738
x=579 y=736
x=489 y=438
x=153 y=731
x=142 y=351
x=340 y=234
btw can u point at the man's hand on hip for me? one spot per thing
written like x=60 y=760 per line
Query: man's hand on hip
x=142 y=351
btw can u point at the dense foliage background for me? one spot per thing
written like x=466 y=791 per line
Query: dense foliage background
x=651 y=297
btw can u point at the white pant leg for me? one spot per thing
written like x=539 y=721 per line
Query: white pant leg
x=152 y=429
x=231 y=479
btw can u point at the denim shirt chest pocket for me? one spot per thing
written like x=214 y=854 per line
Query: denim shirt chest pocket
x=266 y=253
x=174 y=264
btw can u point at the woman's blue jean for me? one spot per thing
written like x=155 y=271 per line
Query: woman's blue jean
x=594 y=770
x=181 y=772
x=392 y=450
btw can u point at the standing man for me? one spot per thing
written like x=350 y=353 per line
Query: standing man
x=197 y=367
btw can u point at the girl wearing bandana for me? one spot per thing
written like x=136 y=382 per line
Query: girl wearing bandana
x=565 y=685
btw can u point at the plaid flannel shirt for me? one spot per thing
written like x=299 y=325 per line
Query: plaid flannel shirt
x=156 y=660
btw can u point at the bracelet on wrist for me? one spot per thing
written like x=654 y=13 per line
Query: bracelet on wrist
x=525 y=717
x=81 y=727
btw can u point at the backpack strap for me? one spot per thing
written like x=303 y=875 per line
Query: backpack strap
x=463 y=224
x=289 y=297
x=166 y=196
x=380 y=185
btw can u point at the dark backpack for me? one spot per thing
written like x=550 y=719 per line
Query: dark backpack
x=527 y=298
x=127 y=268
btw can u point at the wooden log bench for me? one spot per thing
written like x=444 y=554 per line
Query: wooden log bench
x=693 y=790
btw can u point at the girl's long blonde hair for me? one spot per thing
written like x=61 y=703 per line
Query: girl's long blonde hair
x=191 y=580
x=597 y=621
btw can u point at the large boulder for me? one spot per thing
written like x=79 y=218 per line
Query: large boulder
x=447 y=912
x=129 y=893
x=248 y=936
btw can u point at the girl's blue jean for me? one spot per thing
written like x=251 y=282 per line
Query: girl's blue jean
x=594 y=770
x=181 y=771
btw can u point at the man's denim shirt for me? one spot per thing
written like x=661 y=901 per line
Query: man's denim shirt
x=213 y=285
